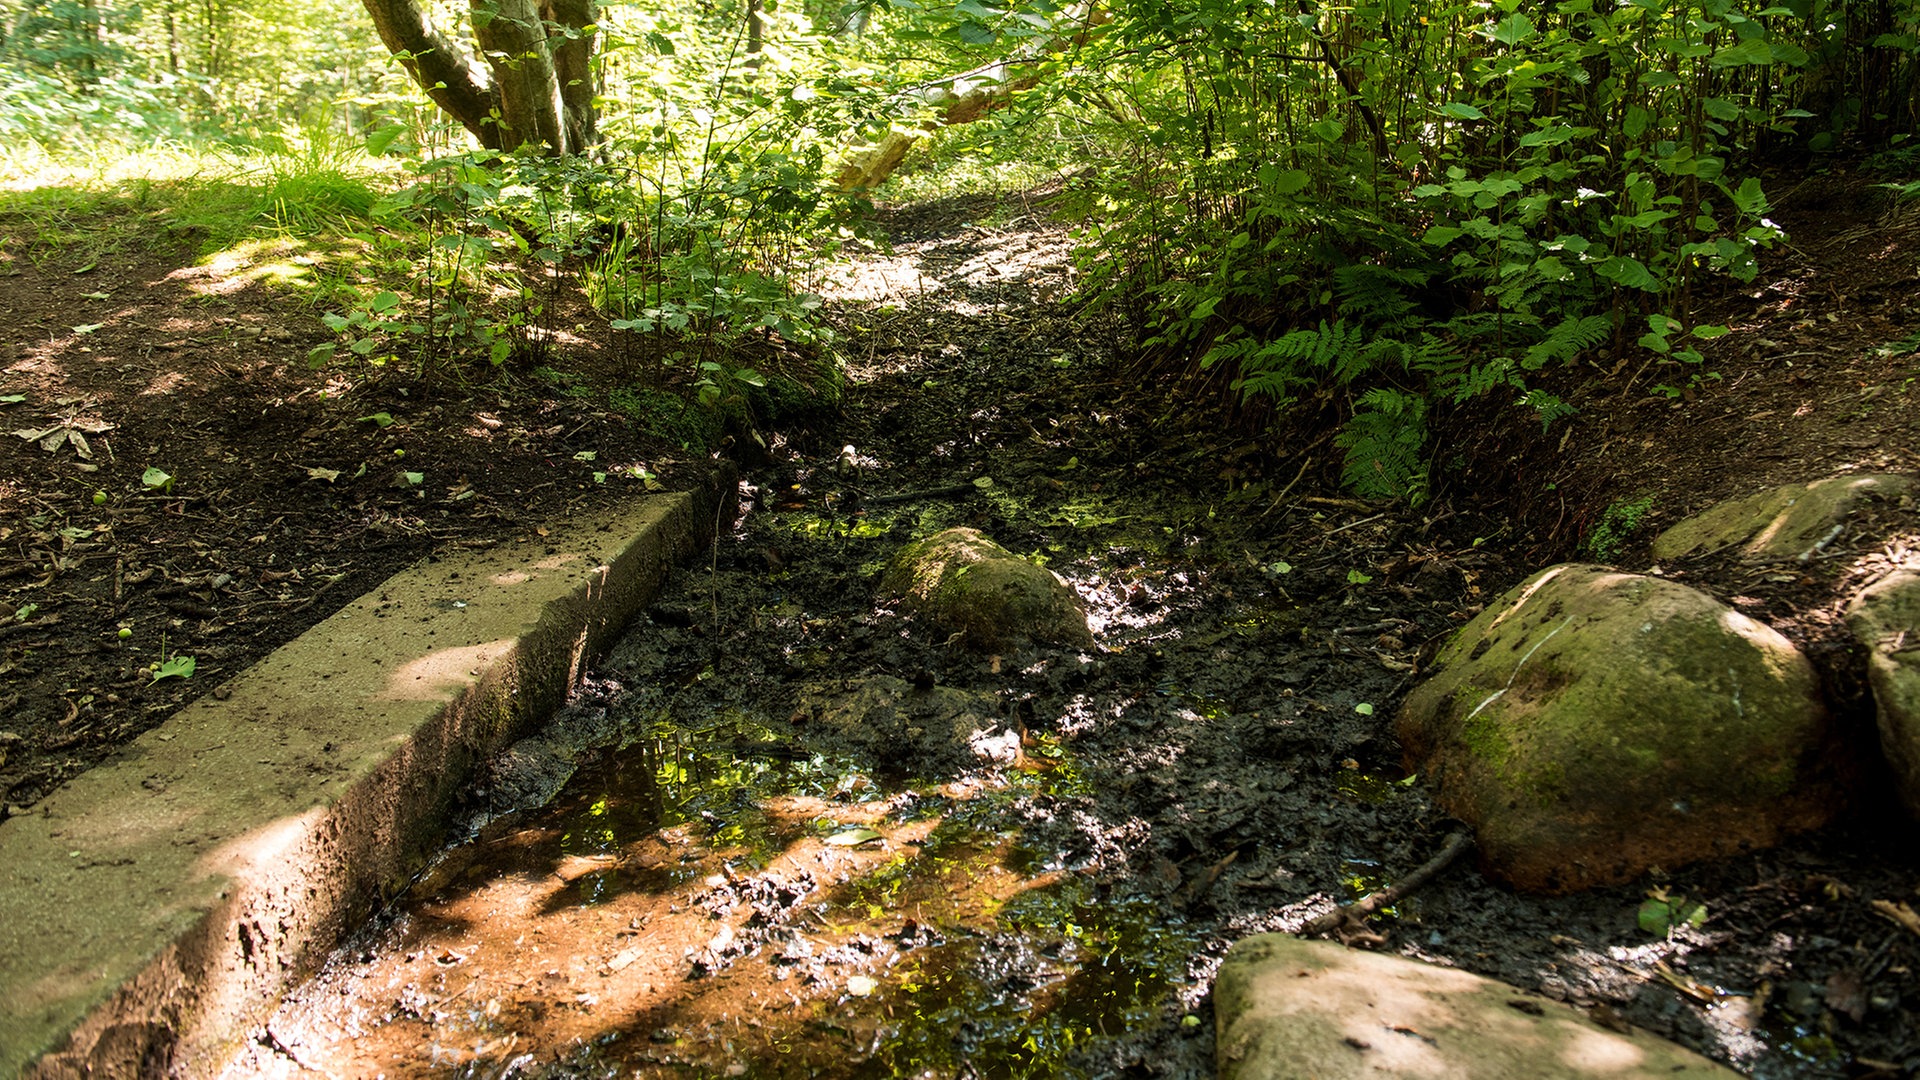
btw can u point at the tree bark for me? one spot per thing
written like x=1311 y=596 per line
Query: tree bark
x=962 y=98
x=536 y=84
x=572 y=48
x=455 y=81
x=514 y=41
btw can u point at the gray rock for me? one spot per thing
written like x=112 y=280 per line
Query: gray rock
x=965 y=583
x=1592 y=724
x=1885 y=618
x=1288 y=1009
x=1786 y=522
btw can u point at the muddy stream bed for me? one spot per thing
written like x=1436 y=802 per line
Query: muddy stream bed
x=784 y=831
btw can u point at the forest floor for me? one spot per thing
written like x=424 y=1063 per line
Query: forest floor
x=1209 y=557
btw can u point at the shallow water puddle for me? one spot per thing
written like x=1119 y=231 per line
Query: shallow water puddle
x=727 y=907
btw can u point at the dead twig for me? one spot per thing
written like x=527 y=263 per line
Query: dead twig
x=1350 y=922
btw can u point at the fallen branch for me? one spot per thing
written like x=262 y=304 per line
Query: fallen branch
x=1350 y=922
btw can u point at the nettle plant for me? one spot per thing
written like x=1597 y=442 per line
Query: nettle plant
x=1405 y=206
x=468 y=240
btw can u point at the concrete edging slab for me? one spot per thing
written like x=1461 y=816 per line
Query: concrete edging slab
x=158 y=905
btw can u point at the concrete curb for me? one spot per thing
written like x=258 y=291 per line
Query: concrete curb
x=158 y=906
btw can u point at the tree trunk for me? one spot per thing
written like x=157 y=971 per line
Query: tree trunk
x=452 y=78
x=514 y=42
x=571 y=25
x=963 y=99
x=536 y=87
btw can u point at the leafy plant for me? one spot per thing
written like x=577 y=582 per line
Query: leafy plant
x=1619 y=523
x=1660 y=913
x=157 y=479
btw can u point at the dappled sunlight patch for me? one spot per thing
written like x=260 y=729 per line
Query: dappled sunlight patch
x=277 y=261
x=165 y=383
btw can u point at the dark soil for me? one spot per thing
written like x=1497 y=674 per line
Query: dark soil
x=1222 y=760
x=289 y=494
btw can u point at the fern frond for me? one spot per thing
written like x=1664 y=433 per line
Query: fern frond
x=1574 y=335
x=1550 y=407
x=1383 y=441
x=1378 y=296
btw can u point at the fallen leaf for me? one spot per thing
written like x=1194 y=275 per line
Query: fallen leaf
x=88 y=328
x=1898 y=913
x=329 y=475
x=854 y=837
x=623 y=959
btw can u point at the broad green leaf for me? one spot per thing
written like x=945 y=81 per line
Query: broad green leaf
x=320 y=355
x=1635 y=123
x=1749 y=197
x=378 y=141
x=1755 y=51
x=1440 y=235
x=1628 y=271
x=380 y=419
x=385 y=301
x=1513 y=30
x=157 y=479
x=175 y=667
x=1720 y=109
x=1460 y=110
x=974 y=33
x=1786 y=52
x=1552 y=136
x=1708 y=333
x=1328 y=129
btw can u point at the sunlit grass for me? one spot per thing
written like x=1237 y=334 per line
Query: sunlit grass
x=102 y=198
x=994 y=156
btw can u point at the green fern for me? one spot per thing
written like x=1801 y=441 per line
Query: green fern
x=1377 y=296
x=1574 y=335
x=1550 y=407
x=1383 y=441
x=1277 y=368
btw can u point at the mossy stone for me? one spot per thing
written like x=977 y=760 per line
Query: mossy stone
x=1593 y=724
x=965 y=583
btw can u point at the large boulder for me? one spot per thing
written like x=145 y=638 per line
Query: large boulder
x=1885 y=618
x=1289 y=1009
x=966 y=584
x=1787 y=522
x=1593 y=724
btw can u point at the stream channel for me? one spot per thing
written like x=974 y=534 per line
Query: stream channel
x=785 y=831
